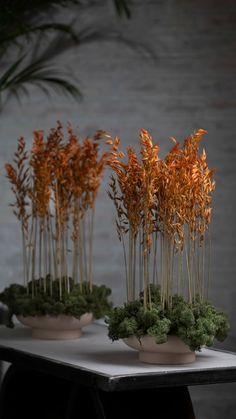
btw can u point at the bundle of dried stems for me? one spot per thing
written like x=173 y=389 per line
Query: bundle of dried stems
x=55 y=187
x=163 y=215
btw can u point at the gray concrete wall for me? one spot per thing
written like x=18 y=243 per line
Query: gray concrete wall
x=191 y=84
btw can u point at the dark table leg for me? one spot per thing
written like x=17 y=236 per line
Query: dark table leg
x=31 y=394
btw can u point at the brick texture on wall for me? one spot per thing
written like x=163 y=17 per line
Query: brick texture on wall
x=187 y=82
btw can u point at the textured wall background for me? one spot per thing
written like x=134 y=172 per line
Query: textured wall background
x=191 y=84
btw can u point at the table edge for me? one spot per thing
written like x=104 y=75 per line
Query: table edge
x=106 y=382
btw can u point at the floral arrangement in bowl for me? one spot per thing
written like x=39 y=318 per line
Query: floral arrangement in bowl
x=55 y=187
x=163 y=216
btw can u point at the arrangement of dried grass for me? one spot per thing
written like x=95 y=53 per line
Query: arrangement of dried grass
x=55 y=187
x=163 y=215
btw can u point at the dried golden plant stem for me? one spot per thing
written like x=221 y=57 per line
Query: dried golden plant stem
x=173 y=279
x=44 y=252
x=148 y=285
x=145 y=274
x=155 y=276
x=45 y=255
x=179 y=256
x=83 y=242
x=183 y=274
x=140 y=262
x=90 y=267
x=80 y=254
x=66 y=247
x=57 y=234
x=194 y=268
x=203 y=270
x=188 y=274
x=58 y=240
x=30 y=252
x=34 y=249
x=52 y=241
x=209 y=263
x=40 y=249
x=145 y=280
x=58 y=260
x=191 y=267
x=75 y=259
x=134 y=267
x=167 y=261
x=198 y=264
x=65 y=254
x=130 y=265
x=24 y=255
x=169 y=270
x=50 y=249
x=166 y=271
x=162 y=270
x=125 y=259
x=195 y=262
x=63 y=257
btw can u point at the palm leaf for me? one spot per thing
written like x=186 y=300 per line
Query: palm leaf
x=58 y=84
x=9 y=72
x=17 y=78
x=122 y=8
x=29 y=32
x=24 y=20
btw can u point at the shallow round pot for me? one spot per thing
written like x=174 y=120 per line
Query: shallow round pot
x=174 y=351
x=58 y=327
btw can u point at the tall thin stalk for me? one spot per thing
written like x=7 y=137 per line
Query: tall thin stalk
x=140 y=239
x=24 y=256
x=33 y=254
x=155 y=250
x=188 y=274
x=209 y=263
x=90 y=239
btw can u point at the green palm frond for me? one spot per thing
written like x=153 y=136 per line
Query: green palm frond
x=122 y=8
x=23 y=26
x=16 y=79
x=12 y=37
x=6 y=77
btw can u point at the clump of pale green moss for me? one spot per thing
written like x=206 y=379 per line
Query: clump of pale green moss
x=197 y=324
x=81 y=299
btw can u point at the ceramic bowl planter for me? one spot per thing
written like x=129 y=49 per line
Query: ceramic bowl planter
x=55 y=185
x=163 y=215
x=174 y=351
x=167 y=335
x=44 y=312
x=52 y=319
x=60 y=327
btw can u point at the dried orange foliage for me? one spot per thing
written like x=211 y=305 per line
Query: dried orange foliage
x=167 y=199
x=163 y=195
x=137 y=185
x=185 y=189
x=57 y=171
x=55 y=184
x=19 y=179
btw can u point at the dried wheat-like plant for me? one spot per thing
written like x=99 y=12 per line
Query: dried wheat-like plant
x=55 y=186
x=164 y=207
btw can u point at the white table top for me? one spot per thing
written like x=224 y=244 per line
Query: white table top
x=94 y=353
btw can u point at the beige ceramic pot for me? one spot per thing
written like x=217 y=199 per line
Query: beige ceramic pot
x=174 y=351
x=59 y=327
